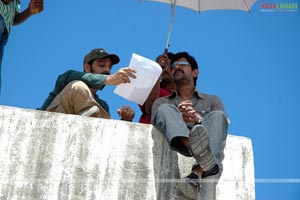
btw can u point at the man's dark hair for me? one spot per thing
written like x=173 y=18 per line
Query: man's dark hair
x=189 y=58
x=90 y=63
x=169 y=54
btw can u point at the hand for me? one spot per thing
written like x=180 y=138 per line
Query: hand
x=123 y=75
x=36 y=6
x=188 y=112
x=163 y=61
x=126 y=113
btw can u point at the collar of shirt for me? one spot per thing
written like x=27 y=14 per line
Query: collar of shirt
x=195 y=92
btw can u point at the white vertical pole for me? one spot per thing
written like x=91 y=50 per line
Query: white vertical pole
x=173 y=5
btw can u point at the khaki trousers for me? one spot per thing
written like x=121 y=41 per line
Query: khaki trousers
x=74 y=98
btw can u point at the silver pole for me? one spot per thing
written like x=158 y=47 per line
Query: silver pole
x=173 y=5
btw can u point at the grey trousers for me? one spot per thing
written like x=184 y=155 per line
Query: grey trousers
x=169 y=121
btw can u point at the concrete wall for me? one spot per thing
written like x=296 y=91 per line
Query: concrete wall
x=56 y=156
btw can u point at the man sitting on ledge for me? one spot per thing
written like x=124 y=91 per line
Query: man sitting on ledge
x=75 y=92
x=194 y=123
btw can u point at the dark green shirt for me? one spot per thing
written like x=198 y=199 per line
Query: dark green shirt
x=95 y=81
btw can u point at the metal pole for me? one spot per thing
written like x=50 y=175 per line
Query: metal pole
x=173 y=5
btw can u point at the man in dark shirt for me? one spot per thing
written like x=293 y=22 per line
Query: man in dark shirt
x=75 y=92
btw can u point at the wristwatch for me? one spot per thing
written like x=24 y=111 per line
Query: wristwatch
x=199 y=121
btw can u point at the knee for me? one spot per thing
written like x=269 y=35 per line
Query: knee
x=218 y=115
x=77 y=88
x=78 y=85
x=164 y=111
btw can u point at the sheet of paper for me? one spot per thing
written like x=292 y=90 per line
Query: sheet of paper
x=147 y=73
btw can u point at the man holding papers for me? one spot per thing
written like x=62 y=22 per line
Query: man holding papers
x=75 y=92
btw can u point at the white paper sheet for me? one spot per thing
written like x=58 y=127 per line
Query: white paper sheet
x=147 y=73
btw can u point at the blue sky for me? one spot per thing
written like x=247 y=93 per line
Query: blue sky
x=251 y=61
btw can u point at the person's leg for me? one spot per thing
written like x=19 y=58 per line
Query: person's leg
x=217 y=125
x=75 y=98
x=169 y=121
x=209 y=138
x=207 y=142
x=3 y=41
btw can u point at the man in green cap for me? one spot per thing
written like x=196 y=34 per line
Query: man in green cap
x=75 y=92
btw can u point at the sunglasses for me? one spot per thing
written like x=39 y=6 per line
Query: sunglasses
x=180 y=64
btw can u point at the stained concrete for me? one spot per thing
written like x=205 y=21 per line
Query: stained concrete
x=47 y=155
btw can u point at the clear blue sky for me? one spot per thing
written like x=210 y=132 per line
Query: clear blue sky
x=251 y=61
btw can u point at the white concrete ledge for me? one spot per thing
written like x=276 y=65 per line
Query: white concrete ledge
x=57 y=156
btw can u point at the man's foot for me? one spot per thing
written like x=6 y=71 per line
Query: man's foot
x=200 y=149
x=211 y=172
x=89 y=112
x=189 y=187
